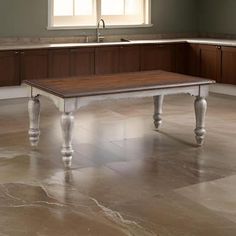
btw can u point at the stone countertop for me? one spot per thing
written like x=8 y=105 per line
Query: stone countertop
x=220 y=42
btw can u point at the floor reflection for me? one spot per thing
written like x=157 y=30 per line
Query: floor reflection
x=126 y=178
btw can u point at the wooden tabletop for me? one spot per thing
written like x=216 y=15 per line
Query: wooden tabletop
x=116 y=83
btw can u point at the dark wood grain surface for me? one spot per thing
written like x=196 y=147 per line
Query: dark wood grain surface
x=115 y=83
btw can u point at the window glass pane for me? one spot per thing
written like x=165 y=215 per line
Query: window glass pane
x=63 y=7
x=111 y=7
x=83 y=7
x=133 y=7
x=84 y=12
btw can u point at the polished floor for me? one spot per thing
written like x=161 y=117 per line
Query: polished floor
x=126 y=178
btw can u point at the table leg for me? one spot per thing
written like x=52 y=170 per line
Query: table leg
x=67 y=123
x=158 y=101
x=200 y=112
x=34 y=117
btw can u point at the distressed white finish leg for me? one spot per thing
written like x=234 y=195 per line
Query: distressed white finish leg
x=34 y=117
x=67 y=123
x=158 y=101
x=200 y=112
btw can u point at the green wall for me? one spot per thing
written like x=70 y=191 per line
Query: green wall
x=217 y=16
x=24 y=18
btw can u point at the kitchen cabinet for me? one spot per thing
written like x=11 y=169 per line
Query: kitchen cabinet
x=71 y=62
x=59 y=63
x=210 y=62
x=82 y=61
x=204 y=61
x=228 y=68
x=129 y=58
x=9 y=68
x=33 y=64
x=107 y=60
x=158 y=57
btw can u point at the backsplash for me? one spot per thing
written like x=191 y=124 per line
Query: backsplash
x=217 y=36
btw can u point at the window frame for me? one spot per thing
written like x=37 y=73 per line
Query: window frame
x=147 y=16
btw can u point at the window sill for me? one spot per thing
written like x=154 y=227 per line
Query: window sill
x=94 y=27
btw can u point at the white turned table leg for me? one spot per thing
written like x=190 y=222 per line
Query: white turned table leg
x=200 y=112
x=34 y=117
x=158 y=101
x=67 y=123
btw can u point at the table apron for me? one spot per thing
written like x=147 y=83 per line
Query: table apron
x=72 y=104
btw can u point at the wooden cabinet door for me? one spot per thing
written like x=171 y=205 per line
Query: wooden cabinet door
x=210 y=62
x=34 y=64
x=129 y=58
x=59 y=63
x=9 y=68
x=106 y=60
x=82 y=61
x=158 y=57
x=228 y=72
x=181 y=58
x=193 y=59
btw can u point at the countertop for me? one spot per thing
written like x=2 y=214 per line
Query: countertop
x=220 y=42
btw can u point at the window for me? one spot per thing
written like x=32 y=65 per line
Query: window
x=86 y=13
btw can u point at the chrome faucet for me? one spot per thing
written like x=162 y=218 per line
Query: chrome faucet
x=99 y=36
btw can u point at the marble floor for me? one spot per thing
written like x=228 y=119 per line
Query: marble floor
x=126 y=178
